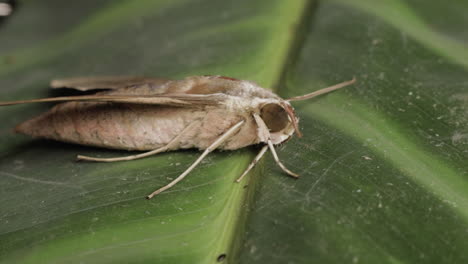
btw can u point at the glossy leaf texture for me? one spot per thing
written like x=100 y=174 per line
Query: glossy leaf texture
x=383 y=164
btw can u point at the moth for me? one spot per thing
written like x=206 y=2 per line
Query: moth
x=159 y=115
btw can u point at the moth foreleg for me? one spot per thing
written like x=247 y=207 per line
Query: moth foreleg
x=266 y=134
x=280 y=164
x=210 y=148
x=254 y=162
x=167 y=147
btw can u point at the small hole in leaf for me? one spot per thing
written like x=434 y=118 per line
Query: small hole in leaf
x=221 y=257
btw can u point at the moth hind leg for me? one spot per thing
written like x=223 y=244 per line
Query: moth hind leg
x=167 y=147
x=131 y=157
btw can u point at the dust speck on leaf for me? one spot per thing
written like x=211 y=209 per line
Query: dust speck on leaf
x=459 y=138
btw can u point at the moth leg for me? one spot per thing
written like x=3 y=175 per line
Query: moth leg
x=275 y=156
x=266 y=134
x=254 y=162
x=212 y=147
x=131 y=157
x=169 y=145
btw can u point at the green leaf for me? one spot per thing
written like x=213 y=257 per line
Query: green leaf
x=382 y=163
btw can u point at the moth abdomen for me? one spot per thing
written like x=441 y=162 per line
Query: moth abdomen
x=136 y=127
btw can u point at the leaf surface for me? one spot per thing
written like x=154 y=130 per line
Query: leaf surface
x=383 y=163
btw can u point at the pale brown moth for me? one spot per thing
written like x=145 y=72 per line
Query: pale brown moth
x=157 y=115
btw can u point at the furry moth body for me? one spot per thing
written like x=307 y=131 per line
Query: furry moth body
x=156 y=115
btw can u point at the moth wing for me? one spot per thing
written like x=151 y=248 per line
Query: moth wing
x=105 y=82
x=191 y=91
x=162 y=99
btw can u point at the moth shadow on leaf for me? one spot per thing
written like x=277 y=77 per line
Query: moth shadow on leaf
x=44 y=149
x=40 y=150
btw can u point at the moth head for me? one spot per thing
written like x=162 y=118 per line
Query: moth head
x=281 y=120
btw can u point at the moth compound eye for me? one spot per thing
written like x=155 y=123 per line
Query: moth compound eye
x=275 y=117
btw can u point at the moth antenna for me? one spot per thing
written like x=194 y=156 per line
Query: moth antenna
x=295 y=122
x=212 y=147
x=322 y=91
x=275 y=156
x=254 y=162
